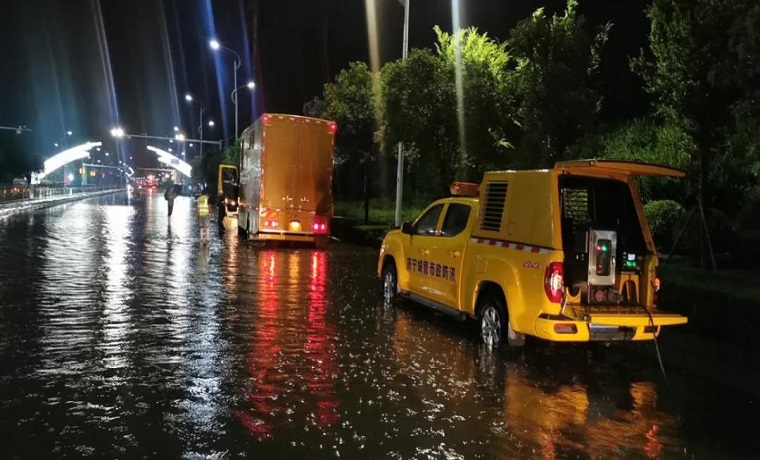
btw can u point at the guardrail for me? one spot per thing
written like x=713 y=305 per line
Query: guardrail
x=18 y=193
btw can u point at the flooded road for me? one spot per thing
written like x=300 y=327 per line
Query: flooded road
x=122 y=337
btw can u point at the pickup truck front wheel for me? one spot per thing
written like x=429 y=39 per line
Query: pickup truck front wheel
x=493 y=322
x=390 y=280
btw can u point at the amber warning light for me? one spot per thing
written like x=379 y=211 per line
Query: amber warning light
x=464 y=189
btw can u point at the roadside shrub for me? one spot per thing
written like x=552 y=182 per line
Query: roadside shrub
x=662 y=216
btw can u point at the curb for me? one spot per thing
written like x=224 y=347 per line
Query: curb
x=15 y=208
x=347 y=231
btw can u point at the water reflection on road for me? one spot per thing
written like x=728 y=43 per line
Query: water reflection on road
x=121 y=336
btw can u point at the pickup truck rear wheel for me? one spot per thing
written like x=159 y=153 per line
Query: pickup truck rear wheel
x=390 y=280
x=493 y=322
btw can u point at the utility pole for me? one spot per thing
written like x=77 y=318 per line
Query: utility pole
x=400 y=165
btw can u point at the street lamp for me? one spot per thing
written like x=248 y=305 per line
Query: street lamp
x=211 y=123
x=400 y=165
x=190 y=98
x=215 y=45
x=250 y=85
x=118 y=133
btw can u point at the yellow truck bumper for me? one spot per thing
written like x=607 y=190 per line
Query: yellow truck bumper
x=605 y=328
x=284 y=236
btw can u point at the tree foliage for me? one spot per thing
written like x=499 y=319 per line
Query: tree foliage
x=420 y=112
x=449 y=106
x=314 y=108
x=703 y=70
x=555 y=103
x=478 y=64
x=206 y=167
x=350 y=101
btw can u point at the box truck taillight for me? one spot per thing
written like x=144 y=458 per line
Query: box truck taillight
x=333 y=127
x=554 y=281
x=319 y=225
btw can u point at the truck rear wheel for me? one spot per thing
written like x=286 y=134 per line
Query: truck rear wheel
x=493 y=321
x=390 y=281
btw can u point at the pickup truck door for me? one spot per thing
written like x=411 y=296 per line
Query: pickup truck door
x=447 y=255
x=419 y=247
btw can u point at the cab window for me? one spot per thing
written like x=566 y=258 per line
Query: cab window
x=456 y=219
x=428 y=221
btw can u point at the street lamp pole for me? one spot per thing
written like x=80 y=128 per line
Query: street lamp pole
x=215 y=45
x=190 y=98
x=234 y=95
x=400 y=165
x=200 y=129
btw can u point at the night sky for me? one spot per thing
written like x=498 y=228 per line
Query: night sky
x=88 y=65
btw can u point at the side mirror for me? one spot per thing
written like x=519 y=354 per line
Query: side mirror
x=407 y=228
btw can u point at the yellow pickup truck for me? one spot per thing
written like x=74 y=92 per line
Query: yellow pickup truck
x=562 y=254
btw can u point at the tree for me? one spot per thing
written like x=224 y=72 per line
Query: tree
x=478 y=64
x=420 y=111
x=450 y=107
x=555 y=103
x=231 y=155
x=652 y=141
x=206 y=167
x=314 y=108
x=704 y=71
x=351 y=102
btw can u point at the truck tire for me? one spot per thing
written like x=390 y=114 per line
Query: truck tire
x=389 y=282
x=492 y=321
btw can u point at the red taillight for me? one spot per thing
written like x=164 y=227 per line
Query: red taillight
x=319 y=226
x=554 y=281
x=565 y=328
x=333 y=127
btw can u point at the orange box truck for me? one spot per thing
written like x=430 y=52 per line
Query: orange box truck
x=286 y=167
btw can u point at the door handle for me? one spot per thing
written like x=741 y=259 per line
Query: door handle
x=425 y=252
x=454 y=253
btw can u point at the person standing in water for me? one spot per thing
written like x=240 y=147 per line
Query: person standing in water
x=170 y=194
x=203 y=213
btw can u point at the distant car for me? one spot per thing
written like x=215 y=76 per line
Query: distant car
x=19 y=181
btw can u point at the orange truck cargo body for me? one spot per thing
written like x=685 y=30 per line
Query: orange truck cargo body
x=286 y=166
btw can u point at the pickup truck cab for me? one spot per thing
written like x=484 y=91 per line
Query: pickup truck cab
x=562 y=254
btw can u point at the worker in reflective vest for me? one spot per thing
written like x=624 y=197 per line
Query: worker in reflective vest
x=203 y=213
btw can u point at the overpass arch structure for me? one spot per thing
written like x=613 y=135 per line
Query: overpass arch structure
x=172 y=161
x=67 y=156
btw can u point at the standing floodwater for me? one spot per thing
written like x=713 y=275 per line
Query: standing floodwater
x=121 y=337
